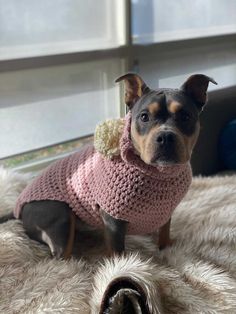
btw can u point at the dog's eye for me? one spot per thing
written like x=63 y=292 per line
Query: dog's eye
x=144 y=117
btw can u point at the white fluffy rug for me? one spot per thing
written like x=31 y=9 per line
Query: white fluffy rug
x=196 y=275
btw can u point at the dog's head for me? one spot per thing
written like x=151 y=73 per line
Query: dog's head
x=165 y=122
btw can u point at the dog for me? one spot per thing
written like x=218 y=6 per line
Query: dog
x=136 y=191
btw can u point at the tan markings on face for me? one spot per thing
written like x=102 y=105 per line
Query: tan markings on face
x=190 y=141
x=150 y=145
x=186 y=144
x=175 y=106
x=145 y=145
x=137 y=139
x=154 y=107
x=182 y=151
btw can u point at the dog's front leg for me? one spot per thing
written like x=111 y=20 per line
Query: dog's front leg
x=164 y=236
x=114 y=231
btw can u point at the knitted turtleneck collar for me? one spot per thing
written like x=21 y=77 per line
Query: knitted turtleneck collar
x=127 y=153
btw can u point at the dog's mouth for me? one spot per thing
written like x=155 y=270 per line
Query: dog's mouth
x=156 y=153
x=164 y=157
x=164 y=160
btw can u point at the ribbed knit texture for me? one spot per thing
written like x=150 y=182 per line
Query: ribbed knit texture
x=125 y=187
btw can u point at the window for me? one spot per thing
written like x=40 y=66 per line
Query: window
x=37 y=28
x=46 y=102
x=59 y=60
x=44 y=106
x=164 y=55
x=168 y=20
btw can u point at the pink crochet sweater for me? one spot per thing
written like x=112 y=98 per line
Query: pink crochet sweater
x=125 y=187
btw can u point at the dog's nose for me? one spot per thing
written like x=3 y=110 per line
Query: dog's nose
x=165 y=138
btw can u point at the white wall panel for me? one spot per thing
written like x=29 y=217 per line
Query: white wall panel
x=168 y=20
x=172 y=67
x=41 y=107
x=35 y=28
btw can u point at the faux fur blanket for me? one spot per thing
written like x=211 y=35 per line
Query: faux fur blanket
x=196 y=275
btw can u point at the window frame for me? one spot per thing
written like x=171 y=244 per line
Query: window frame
x=130 y=53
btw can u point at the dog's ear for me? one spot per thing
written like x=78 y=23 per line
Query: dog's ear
x=196 y=88
x=134 y=88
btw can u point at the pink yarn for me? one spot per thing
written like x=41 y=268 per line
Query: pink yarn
x=125 y=187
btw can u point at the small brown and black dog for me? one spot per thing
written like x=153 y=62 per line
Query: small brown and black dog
x=164 y=129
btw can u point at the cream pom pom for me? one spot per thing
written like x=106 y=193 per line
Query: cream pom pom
x=107 y=137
